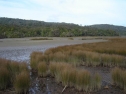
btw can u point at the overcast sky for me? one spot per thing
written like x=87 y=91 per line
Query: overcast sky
x=82 y=12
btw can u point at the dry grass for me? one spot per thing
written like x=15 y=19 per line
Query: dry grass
x=71 y=76
x=113 y=46
x=110 y=54
x=22 y=82
x=42 y=69
x=83 y=80
x=41 y=39
x=70 y=38
x=97 y=81
x=35 y=58
x=9 y=71
x=92 y=54
x=4 y=78
x=119 y=77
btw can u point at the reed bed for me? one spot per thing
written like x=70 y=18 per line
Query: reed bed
x=9 y=71
x=71 y=76
x=119 y=77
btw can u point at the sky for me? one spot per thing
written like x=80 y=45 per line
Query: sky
x=81 y=12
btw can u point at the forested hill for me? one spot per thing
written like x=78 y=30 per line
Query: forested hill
x=119 y=29
x=14 y=28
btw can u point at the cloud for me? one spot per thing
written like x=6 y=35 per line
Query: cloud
x=83 y=12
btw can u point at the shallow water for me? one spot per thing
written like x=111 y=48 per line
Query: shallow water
x=20 y=53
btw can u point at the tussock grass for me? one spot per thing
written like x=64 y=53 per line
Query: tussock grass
x=23 y=67
x=97 y=81
x=71 y=76
x=71 y=38
x=8 y=74
x=119 y=77
x=41 y=39
x=83 y=80
x=78 y=57
x=14 y=68
x=35 y=58
x=22 y=82
x=42 y=69
x=4 y=78
x=61 y=60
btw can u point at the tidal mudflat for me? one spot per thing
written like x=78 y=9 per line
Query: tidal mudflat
x=19 y=49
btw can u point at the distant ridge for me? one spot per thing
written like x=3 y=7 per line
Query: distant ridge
x=119 y=29
x=18 y=28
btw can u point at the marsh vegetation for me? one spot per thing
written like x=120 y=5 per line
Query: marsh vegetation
x=63 y=63
x=66 y=64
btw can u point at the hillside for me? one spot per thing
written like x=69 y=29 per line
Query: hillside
x=119 y=29
x=17 y=28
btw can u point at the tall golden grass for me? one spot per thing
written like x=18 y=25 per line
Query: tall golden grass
x=90 y=55
x=22 y=82
x=119 y=77
x=4 y=78
x=42 y=69
x=71 y=76
x=110 y=54
x=35 y=58
x=9 y=71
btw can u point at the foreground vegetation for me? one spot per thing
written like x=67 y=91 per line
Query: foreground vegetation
x=18 y=28
x=119 y=77
x=61 y=62
x=68 y=74
x=14 y=74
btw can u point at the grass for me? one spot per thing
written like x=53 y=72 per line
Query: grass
x=119 y=77
x=83 y=80
x=41 y=39
x=14 y=74
x=97 y=81
x=35 y=58
x=22 y=82
x=42 y=69
x=71 y=76
x=63 y=60
x=4 y=78
x=71 y=38
x=91 y=54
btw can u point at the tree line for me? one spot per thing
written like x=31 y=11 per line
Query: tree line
x=18 y=28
